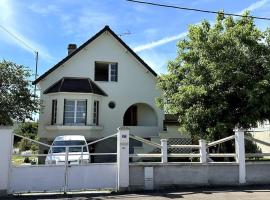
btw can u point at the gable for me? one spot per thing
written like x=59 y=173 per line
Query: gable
x=106 y=28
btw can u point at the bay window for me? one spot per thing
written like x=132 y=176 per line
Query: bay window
x=75 y=112
x=96 y=113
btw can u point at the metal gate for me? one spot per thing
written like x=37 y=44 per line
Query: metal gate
x=65 y=177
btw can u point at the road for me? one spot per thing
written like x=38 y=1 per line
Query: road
x=220 y=193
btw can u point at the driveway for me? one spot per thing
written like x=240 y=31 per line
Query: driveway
x=220 y=193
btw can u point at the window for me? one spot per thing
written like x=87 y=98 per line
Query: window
x=54 y=111
x=106 y=71
x=96 y=113
x=75 y=112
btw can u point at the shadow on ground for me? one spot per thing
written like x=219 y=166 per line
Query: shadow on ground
x=161 y=194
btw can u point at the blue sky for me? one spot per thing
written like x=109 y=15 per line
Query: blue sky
x=49 y=26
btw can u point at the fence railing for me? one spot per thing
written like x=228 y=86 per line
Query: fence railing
x=202 y=149
x=65 y=156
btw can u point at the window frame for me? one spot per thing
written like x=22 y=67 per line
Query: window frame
x=110 y=70
x=75 y=123
x=96 y=113
x=54 y=112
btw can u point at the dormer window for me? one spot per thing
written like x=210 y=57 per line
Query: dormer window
x=106 y=71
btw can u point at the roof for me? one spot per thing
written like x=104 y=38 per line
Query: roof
x=71 y=84
x=171 y=119
x=106 y=28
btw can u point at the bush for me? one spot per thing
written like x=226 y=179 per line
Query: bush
x=29 y=130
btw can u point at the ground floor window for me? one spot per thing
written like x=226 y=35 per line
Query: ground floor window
x=54 y=112
x=75 y=112
x=96 y=113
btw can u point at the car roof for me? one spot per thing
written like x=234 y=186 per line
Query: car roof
x=69 y=137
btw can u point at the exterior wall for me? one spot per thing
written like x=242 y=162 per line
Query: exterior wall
x=264 y=136
x=258 y=173
x=184 y=175
x=146 y=116
x=5 y=157
x=135 y=85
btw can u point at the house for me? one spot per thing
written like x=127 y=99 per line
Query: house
x=96 y=88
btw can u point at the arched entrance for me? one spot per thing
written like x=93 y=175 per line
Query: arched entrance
x=140 y=114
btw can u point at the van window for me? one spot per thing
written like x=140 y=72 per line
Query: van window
x=60 y=149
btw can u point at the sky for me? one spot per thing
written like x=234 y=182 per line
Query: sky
x=48 y=26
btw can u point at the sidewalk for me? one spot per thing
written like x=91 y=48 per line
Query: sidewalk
x=218 y=193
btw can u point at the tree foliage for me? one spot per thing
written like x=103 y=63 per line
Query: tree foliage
x=220 y=78
x=17 y=101
x=29 y=130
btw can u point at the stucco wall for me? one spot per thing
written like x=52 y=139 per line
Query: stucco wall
x=5 y=156
x=264 y=136
x=184 y=175
x=146 y=115
x=135 y=84
x=258 y=173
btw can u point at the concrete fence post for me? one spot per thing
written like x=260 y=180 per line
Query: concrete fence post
x=6 y=146
x=240 y=153
x=203 y=154
x=164 y=151
x=123 y=159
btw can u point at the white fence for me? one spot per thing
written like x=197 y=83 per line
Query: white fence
x=51 y=177
x=124 y=175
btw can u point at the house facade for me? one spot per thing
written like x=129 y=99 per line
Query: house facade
x=98 y=87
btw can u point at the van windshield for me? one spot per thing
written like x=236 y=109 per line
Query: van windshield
x=60 y=149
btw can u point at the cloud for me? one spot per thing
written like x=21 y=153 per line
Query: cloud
x=9 y=20
x=160 y=42
x=44 y=9
x=85 y=22
x=156 y=60
x=254 y=6
x=151 y=45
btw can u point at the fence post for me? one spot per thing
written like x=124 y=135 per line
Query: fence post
x=203 y=154
x=6 y=147
x=240 y=153
x=123 y=159
x=164 y=151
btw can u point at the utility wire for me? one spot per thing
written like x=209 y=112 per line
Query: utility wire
x=194 y=9
x=29 y=47
x=18 y=39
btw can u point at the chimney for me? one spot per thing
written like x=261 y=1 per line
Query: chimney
x=71 y=48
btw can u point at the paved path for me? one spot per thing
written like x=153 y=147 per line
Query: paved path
x=221 y=193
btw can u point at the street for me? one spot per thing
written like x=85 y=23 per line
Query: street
x=218 y=193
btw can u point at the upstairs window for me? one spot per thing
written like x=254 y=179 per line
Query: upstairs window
x=75 y=112
x=54 y=111
x=106 y=71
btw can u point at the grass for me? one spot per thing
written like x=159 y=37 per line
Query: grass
x=19 y=160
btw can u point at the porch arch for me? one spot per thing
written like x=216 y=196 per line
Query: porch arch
x=140 y=114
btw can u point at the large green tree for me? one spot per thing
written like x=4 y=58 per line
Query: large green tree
x=17 y=100
x=220 y=78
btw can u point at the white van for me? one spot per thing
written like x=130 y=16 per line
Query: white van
x=77 y=153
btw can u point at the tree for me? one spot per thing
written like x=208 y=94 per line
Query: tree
x=220 y=78
x=29 y=130
x=17 y=102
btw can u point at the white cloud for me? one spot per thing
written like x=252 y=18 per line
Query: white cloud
x=44 y=9
x=159 y=42
x=151 y=45
x=156 y=60
x=85 y=22
x=254 y=6
x=9 y=20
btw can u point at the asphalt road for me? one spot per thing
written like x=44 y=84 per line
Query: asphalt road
x=220 y=193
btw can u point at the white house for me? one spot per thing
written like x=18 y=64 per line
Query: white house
x=98 y=87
